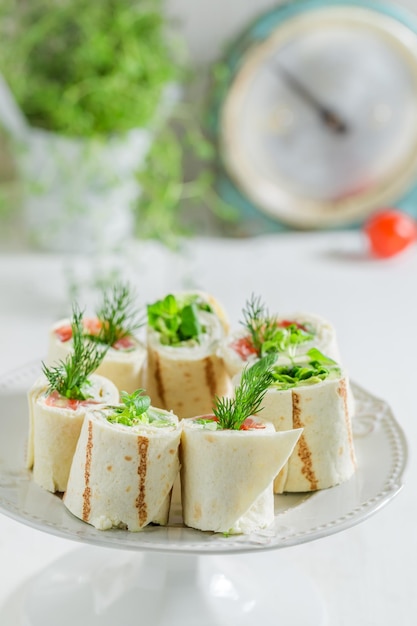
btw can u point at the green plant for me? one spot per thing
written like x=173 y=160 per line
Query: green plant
x=232 y=412
x=7 y=180
x=90 y=69
x=86 y=68
x=178 y=180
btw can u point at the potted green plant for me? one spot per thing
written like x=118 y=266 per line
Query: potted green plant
x=85 y=85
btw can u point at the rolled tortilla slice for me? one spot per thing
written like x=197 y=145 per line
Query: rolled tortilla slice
x=324 y=455
x=324 y=334
x=125 y=368
x=54 y=428
x=218 y=309
x=186 y=377
x=227 y=476
x=123 y=364
x=237 y=350
x=122 y=476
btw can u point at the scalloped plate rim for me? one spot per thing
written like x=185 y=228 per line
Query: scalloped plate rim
x=378 y=423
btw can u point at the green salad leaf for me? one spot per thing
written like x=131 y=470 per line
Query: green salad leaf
x=317 y=368
x=267 y=333
x=176 y=318
x=134 y=409
x=209 y=423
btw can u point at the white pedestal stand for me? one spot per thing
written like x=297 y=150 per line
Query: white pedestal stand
x=104 y=587
x=174 y=576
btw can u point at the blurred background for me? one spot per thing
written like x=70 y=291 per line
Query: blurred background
x=110 y=123
x=207 y=27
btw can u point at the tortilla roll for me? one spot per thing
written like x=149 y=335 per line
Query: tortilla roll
x=237 y=350
x=227 y=476
x=186 y=377
x=122 y=476
x=324 y=455
x=123 y=363
x=54 y=428
x=324 y=334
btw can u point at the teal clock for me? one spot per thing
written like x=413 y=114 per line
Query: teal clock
x=316 y=122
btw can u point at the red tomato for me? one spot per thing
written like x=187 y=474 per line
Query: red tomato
x=390 y=231
x=92 y=325
x=124 y=343
x=286 y=323
x=56 y=400
x=251 y=424
x=64 y=333
x=243 y=347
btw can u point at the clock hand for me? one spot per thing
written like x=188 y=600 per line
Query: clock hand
x=328 y=116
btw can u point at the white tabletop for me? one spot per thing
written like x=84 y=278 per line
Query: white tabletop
x=366 y=574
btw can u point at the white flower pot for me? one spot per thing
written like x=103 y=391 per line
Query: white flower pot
x=77 y=194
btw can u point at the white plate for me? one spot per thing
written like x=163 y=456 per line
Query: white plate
x=380 y=448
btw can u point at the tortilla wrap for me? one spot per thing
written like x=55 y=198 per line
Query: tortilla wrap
x=325 y=340
x=54 y=431
x=227 y=476
x=186 y=378
x=125 y=368
x=324 y=455
x=122 y=476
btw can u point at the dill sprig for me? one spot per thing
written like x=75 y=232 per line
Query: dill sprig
x=261 y=325
x=70 y=377
x=118 y=315
x=254 y=383
x=267 y=334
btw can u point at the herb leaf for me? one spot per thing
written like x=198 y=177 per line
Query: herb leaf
x=259 y=323
x=118 y=316
x=317 y=368
x=70 y=377
x=190 y=325
x=266 y=333
x=135 y=408
x=176 y=318
x=86 y=69
x=318 y=357
x=232 y=412
x=131 y=409
x=208 y=422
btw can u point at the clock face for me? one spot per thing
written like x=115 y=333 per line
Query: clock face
x=320 y=123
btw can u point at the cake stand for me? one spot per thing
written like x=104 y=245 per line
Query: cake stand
x=173 y=575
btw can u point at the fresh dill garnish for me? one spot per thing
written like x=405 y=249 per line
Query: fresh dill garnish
x=267 y=333
x=261 y=326
x=176 y=318
x=118 y=316
x=70 y=377
x=254 y=383
x=135 y=408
